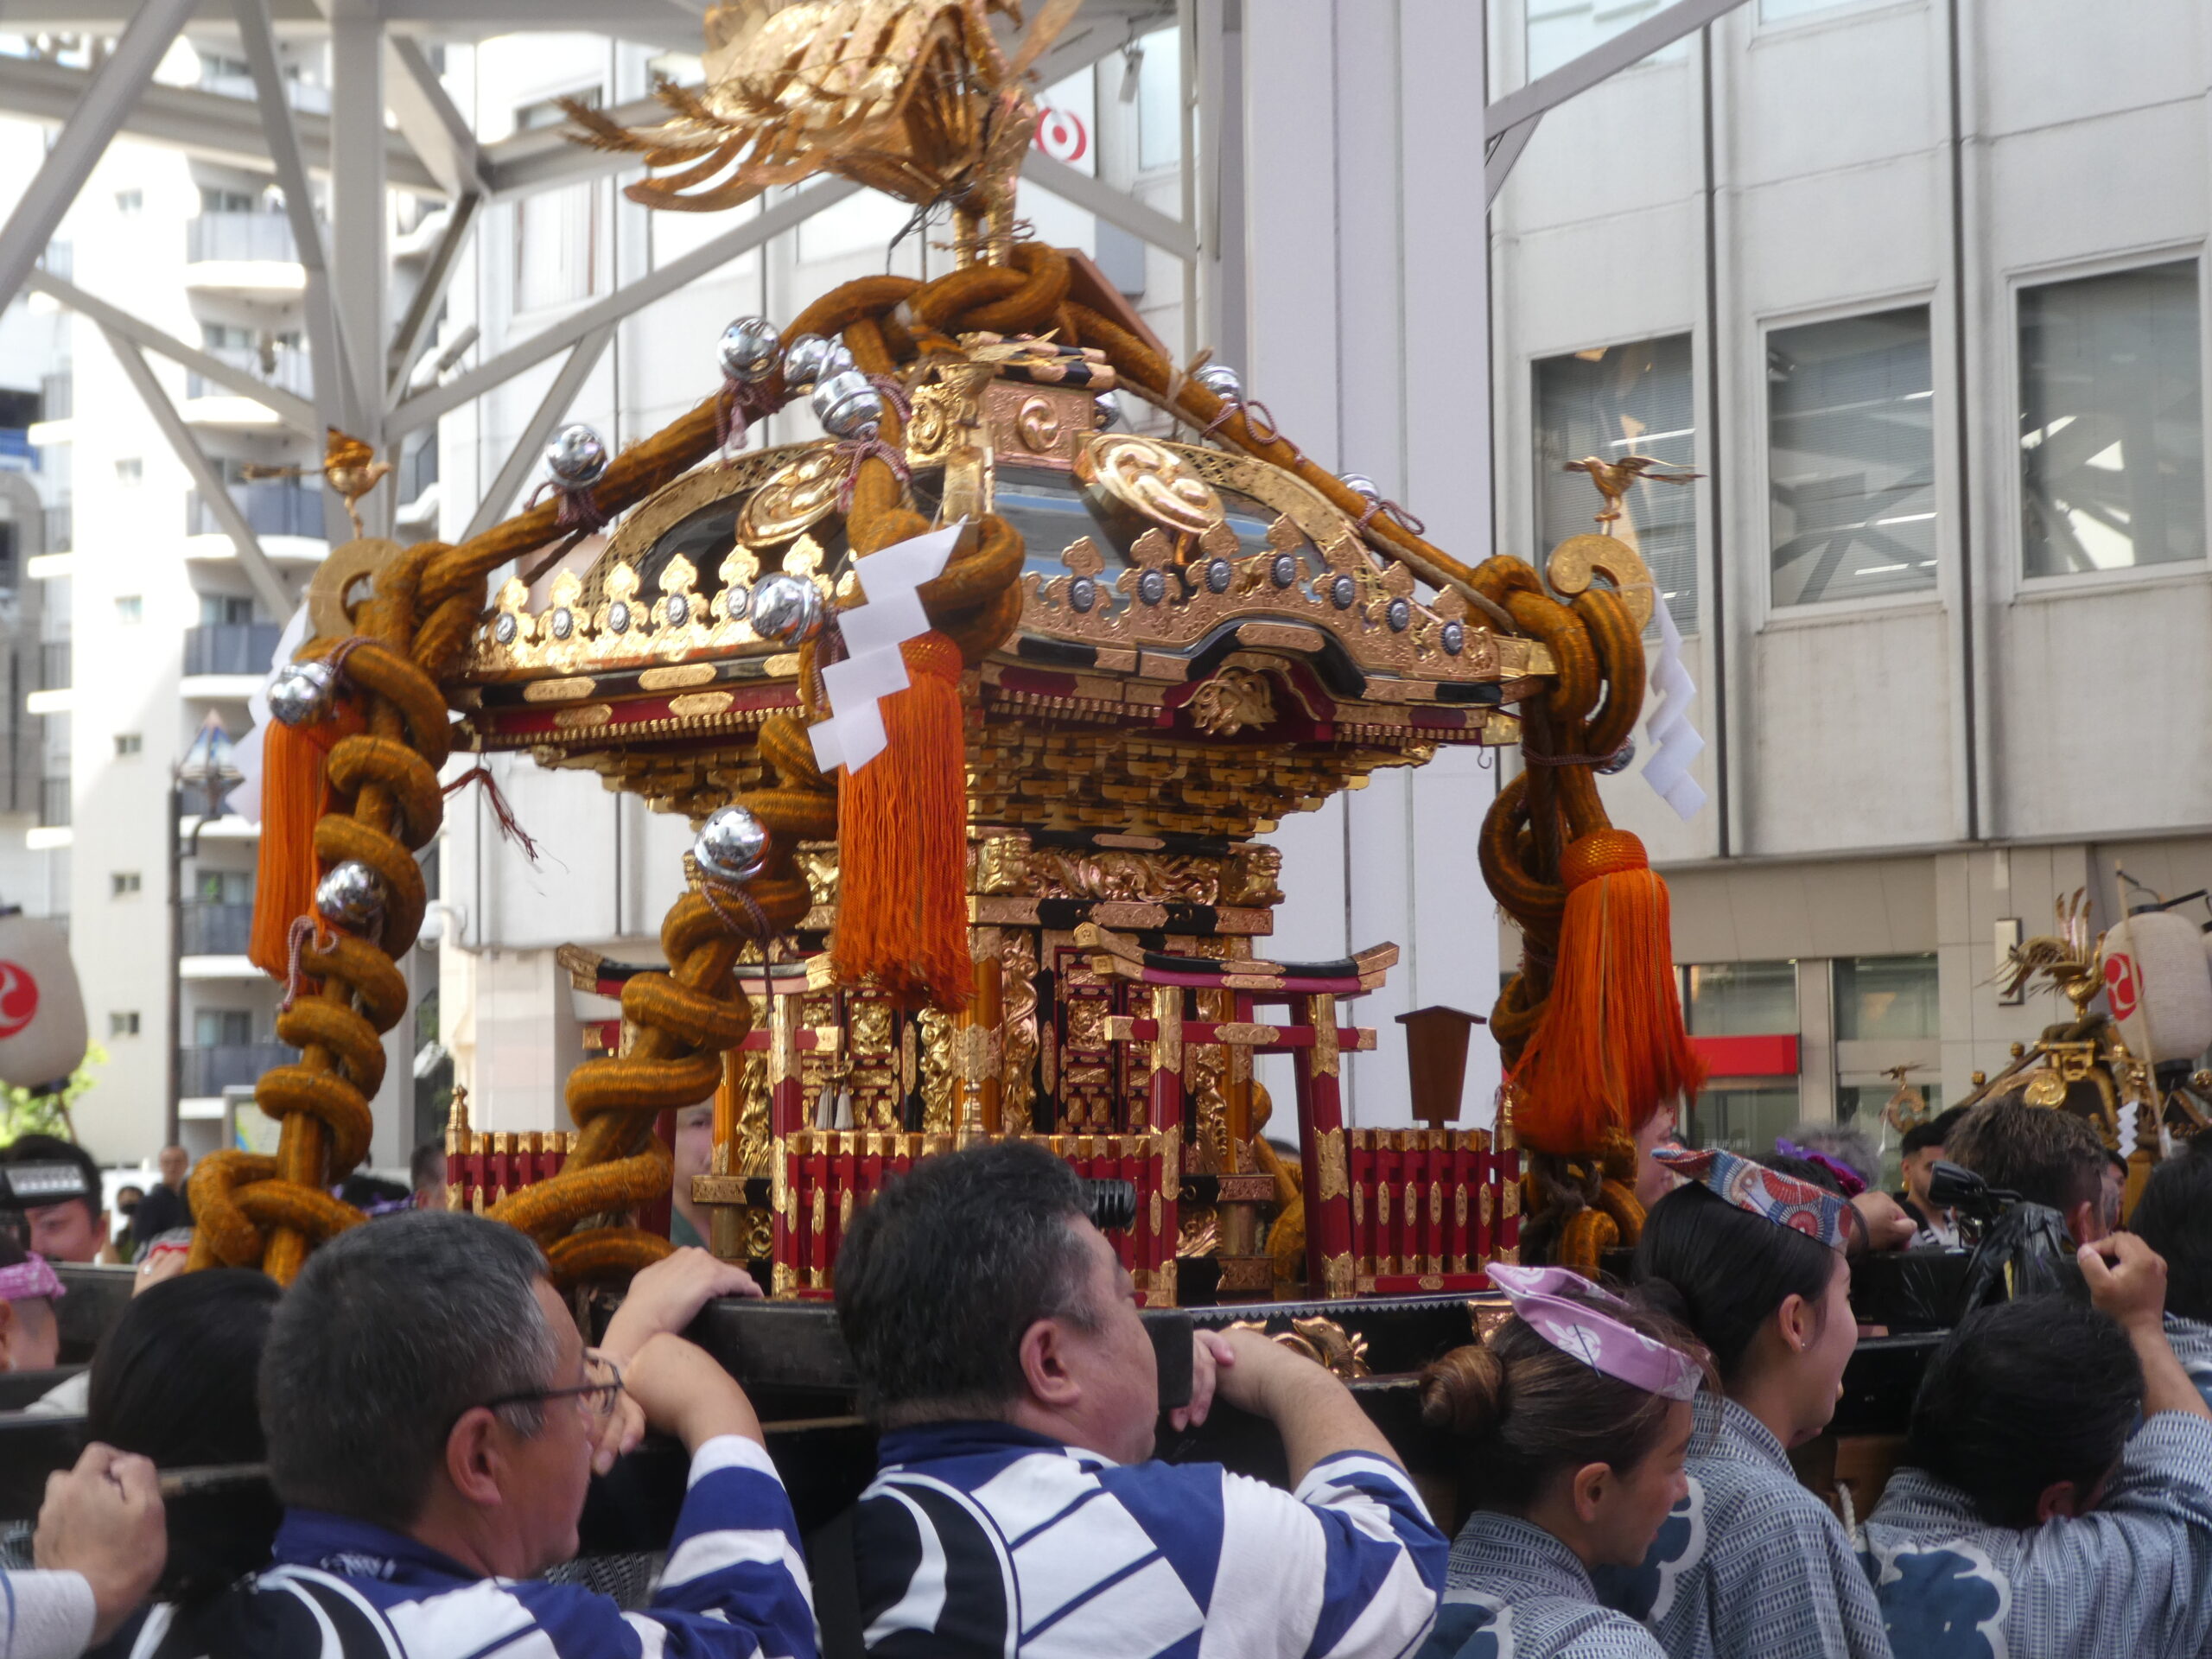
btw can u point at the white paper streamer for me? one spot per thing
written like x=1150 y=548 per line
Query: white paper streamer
x=853 y=735
x=245 y=753
x=1674 y=742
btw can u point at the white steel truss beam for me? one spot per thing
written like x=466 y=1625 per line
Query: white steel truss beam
x=337 y=395
x=206 y=124
x=1116 y=208
x=267 y=584
x=295 y=412
x=412 y=338
x=1602 y=62
x=431 y=401
x=109 y=95
x=524 y=456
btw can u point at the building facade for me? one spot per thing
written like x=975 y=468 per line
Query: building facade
x=1919 y=289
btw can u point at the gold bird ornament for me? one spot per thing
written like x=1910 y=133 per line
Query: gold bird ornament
x=349 y=465
x=914 y=97
x=1614 y=479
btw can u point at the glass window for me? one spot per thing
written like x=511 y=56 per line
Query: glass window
x=1745 y=1121
x=1159 y=99
x=2112 y=422
x=1562 y=30
x=1886 y=999
x=222 y=1027
x=123 y=1024
x=1851 y=457
x=557 y=231
x=1741 y=998
x=1611 y=403
x=129 y=608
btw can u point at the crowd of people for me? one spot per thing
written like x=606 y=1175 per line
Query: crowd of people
x=431 y=1420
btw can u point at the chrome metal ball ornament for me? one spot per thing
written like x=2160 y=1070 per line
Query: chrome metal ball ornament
x=1619 y=760
x=786 y=609
x=1109 y=412
x=731 y=846
x=810 y=360
x=351 y=897
x=300 y=693
x=1221 y=380
x=577 y=457
x=847 y=403
x=748 y=350
x=1360 y=485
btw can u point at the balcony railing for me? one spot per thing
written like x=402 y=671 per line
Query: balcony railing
x=300 y=94
x=230 y=647
x=288 y=369
x=418 y=470
x=52 y=803
x=230 y=1065
x=216 y=929
x=60 y=529
x=57 y=395
x=272 y=507
x=17 y=454
x=230 y=236
x=54 y=665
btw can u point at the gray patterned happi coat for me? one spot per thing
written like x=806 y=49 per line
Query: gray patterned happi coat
x=1751 y=1565
x=1515 y=1592
x=2128 y=1581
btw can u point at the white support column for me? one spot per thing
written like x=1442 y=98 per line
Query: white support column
x=1365 y=246
x=360 y=219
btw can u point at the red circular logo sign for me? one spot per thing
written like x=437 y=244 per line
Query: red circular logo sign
x=18 y=998
x=2121 y=990
x=1061 y=134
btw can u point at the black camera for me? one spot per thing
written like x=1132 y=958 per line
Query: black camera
x=1954 y=1186
x=1111 y=1205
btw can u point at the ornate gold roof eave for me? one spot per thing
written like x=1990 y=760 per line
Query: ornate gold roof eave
x=598 y=624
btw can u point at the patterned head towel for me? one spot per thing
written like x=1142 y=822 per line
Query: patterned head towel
x=1571 y=1315
x=30 y=1277
x=1782 y=1199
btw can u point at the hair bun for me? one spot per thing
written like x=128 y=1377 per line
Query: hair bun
x=1664 y=1298
x=1464 y=1391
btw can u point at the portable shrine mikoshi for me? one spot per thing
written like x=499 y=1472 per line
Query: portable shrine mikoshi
x=978 y=706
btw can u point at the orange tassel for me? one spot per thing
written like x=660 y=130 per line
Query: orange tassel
x=294 y=794
x=1610 y=1046
x=902 y=843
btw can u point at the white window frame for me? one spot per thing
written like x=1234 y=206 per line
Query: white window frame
x=2014 y=584
x=1943 y=383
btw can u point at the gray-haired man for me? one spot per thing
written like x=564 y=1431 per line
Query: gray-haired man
x=433 y=1421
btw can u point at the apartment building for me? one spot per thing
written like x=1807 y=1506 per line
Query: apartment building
x=153 y=634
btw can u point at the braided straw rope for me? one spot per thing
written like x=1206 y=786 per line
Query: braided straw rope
x=255 y=1209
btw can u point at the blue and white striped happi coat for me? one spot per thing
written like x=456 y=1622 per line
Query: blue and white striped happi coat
x=981 y=1539
x=734 y=1588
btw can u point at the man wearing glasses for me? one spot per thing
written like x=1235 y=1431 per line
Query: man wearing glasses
x=433 y=1421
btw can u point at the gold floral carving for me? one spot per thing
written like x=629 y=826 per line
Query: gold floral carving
x=1060 y=873
x=1233 y=700
x=1324 y=1015
x=797 y=499
x=1149 y=479
x=1017 y=1028
x=1334 y=1183
x=941 y=1065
